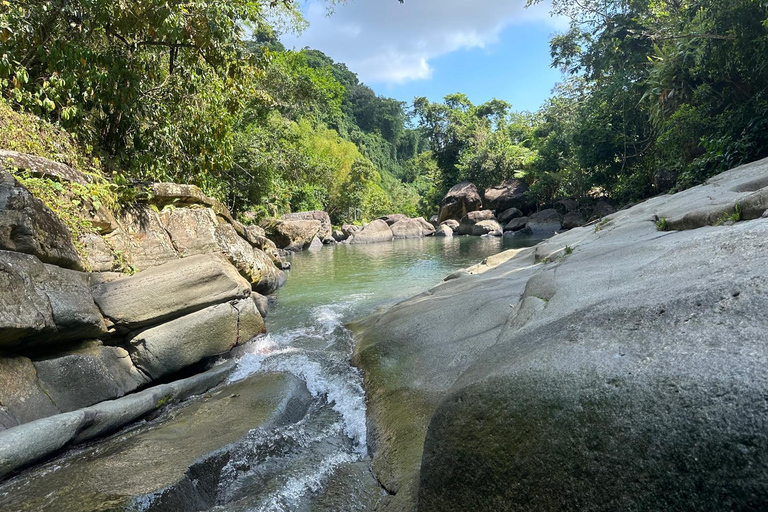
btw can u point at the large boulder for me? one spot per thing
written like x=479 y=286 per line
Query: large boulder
x=508 y=214
x=407 y=228
x=517 y=224
x=624 y=371
x=141 y=242
x=478 y=223
x=459 y=201
x=170 y=291
x=545 y=222
x=427 y=229
x=172 y=346
x=451 y=223
x=444 y=230
x=252 y=263
x=339 y=235
x=374 y=232
x=292 y=235
x=393 y=218
x=510 y=194
x=350 y=229
x=326 y=230
x=44 y=305
x=573 y=219
x=28 y=226
x=41 y=167
x=192 y=230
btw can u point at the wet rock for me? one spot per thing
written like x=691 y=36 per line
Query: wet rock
x=26 y=444
x=407 y=228
x=293 y=235
x=545 y=222
x=339 y=235
x=44 y=305
x=376 y=231
x=169 y=347
x=28 y=226
x=169 y=291
x=21 y=398
x=326 y=230
x=510 y=194
x=459 y=201
x=262 y=304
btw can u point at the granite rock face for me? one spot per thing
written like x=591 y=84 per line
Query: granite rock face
x=28 y=226
x=375 y=232
x=619 y=368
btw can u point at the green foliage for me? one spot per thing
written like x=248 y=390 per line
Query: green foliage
x=662 y=224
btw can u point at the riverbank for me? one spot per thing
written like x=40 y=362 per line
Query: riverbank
x=616 y=366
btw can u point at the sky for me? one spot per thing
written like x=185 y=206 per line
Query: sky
x=483 y=48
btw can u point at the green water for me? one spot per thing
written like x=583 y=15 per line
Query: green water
x=358 y=278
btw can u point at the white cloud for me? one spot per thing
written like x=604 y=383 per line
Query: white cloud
x=385 y=41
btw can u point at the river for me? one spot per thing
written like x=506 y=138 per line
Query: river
x=320 y=463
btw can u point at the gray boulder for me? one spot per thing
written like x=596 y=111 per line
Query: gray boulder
x=573 y=219
x=451 y=223
x=478 y=223
x=509 y=214
x=28 y=226
x=374 y=232
x=98 y=256
x=316 y=244
x=141 y=242
x=192 y=230
x=252 y=263
x=350 y=229
x=434 y=220
x=516 y=224
x=444 y=230
x=407 y=228
x=44 y=305
x=393 y=218
x=21 y=398
x=293 y=235
x=545 y=222
x=339 y=235
x=326 y=230
x=510 y=194
x=170 y=291
x=174 y=345
x=459 y=201
x=427 y=229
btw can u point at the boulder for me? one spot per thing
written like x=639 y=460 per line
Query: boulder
x=31 y=442
x=192 y=230
x=434 y=220
x=252 y=263
x=262 y=304
x=292 y=235
x=316 y=244
x=374 y=232
x=350 y=229
x=509 y=214
x=21 y=399
x=510 y=194
x=407 y=228
x=87 y=374
x=573 y=219
x=326 y=229
x=545 y=222
x=227 y=426
x=98 y=256
x=460 y=200
x=174 y=345
x=41 y=167
x=564 y=206
x=602 y=208
x=28 y=226
x=393 y=218
x=451 y=223
x=516 y=224
x=444 y=230
x=170 y=291
x=478 y=223
x=267 y=246
x=427 y=229
x=44 y=305
x=339 y=235
x=176 y=194
x=142 y=241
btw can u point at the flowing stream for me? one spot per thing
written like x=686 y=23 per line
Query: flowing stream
x=306 y=337
x=320 y=463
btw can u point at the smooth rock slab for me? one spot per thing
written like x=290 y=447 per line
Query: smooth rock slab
x=173 y=464
x=172 y=346
x=407 y=228
x=171 y=290
x=375 y=232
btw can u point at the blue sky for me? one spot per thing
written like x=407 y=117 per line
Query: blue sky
x=483 y=48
